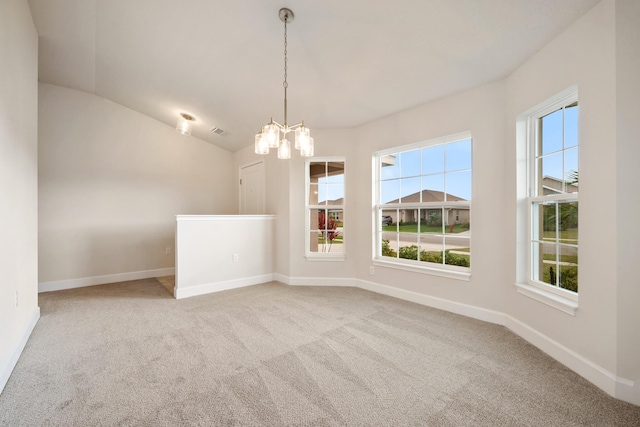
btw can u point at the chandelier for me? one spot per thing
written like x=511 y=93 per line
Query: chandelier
x=274 y=134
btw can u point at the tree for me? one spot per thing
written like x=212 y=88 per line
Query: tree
x=328 y=227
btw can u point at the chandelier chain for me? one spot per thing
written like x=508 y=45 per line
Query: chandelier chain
x=285 y=84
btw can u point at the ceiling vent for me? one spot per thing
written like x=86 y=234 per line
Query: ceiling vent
x=219 y=131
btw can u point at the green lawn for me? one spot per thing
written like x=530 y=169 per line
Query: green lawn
x=413 y=228
x=567 y=236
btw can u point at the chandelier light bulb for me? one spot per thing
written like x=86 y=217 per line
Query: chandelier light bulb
x=262 y=146
x=307 y=150
x=272 y=135
x=302 y=137
x=284 y=150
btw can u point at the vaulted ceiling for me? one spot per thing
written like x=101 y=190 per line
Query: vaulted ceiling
x=350 y=62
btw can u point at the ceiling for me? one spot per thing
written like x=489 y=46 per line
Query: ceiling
x=350 y=62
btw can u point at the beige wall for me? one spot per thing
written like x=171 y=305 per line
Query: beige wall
x=628 y=196
x=111 y=182
x=584 y=55
x=18 y=180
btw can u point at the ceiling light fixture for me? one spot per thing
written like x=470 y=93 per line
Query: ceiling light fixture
x=270 y=135
x=184 y=123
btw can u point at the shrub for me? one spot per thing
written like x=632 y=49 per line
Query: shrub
x=386 y=250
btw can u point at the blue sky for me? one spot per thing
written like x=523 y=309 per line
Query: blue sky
x=444 y=167
x=559 y=147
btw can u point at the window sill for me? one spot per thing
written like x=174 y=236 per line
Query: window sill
x=558 y=302
x=322 y=258
x=440 y=272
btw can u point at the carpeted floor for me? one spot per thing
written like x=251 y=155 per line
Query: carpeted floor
x=275 y=355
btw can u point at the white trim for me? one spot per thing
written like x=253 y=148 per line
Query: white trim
x=424 y=269
x=222 y=217
x=618 y=387
x=326 y=257
x=425 y=143
x=225 y=285
x=322 y=281
x=587 y=369
x=10 y=363
x=551 y=297
x=474 y=312
x=82 y=282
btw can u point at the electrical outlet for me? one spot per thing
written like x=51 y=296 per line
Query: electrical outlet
x=167 y=250
x=236 y=257
x=372 y=270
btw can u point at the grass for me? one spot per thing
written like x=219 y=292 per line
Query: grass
x=567 y=236
x=413 y=228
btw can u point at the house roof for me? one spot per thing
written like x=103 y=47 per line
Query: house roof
x=428 y=196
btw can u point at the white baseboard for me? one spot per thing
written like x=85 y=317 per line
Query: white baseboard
x=321 y=281
x=7 y=367
x=613 y=385
x=208 y=288
x=435 y=302
x=618 y=387
x=59 y=285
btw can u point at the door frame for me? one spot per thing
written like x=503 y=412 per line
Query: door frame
x=263 y=186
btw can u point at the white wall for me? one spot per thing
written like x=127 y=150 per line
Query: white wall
x=18 y=181
x=220 y=252
x=628 y=196
x=111 y=182
x=584 y=55
x=277 y=200
x=480 y=111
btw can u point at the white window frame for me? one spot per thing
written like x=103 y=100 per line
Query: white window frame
x=442 y=270
x=554 y=296
x=323 y=256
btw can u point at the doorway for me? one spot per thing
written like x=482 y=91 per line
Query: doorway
x=252 y=189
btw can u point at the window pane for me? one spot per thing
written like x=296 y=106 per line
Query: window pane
x=318 y=172
x=458 y=186
x=431 y=248
x=568 y=223
x=410 y=190
x=408 y=220
x=410 y=163
x=433 y=188
x=433 y=159
x=389 y=166
x=571 y=126
x=335 y=171
x=550 y=175
x=458 y=221
x=547 y=269
x=457 y=252
x=335 y=194
x=571 y=170
x=388 y=220
x=322 y=194
x=316 y=219
x=390 y=191
x=550 y=133
x=408 y=246
x=313 y=194
x=458 y=155
x=432 y=221
x=389 y=244
x=568 y=277
x=547 y=217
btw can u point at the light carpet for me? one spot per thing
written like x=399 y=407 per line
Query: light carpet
x=129 y=354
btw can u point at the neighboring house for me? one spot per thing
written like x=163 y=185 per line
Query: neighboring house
x=410 y=215
x=552 y=185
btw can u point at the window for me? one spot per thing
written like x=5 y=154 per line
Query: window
x=423 y=204
x=325 y=208
x=553 y=195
